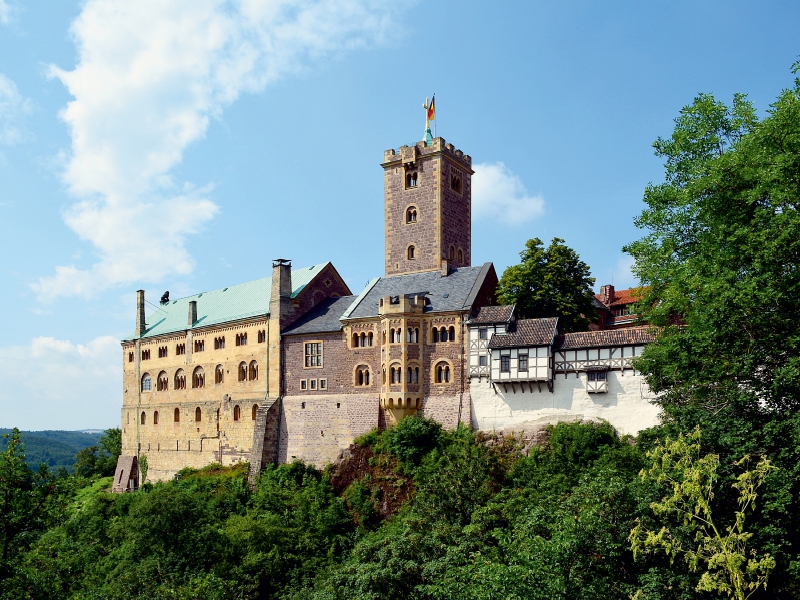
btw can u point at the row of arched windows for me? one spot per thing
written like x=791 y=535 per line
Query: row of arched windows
x=396 y=335
x=246 y=373
x=241 y=339
x=443 y=334
x=441 y=373
x=198 y=415
x=362 y=340
x=362 y=376
x=219 y=343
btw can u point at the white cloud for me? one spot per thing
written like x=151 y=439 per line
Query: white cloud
x=13 y=110
x=150 y=76
x=55 y=384
x=500 y=194
x=5 y=12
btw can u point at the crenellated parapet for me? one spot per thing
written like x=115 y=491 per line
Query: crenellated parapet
x=439 y=146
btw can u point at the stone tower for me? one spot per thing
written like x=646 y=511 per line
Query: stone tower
x=428 y=208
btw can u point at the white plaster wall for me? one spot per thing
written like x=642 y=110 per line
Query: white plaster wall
x=627 y=404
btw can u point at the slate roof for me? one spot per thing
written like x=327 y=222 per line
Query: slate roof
x=628 y=336
x=242 y=301
x=455 y=292
x=492 y=314
x=527 y=332
x=322 y=318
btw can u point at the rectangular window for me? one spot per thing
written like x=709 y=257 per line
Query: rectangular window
x=323 y=385
x=601 y=376
x=303 y=384
x=482 y=332
x=313 y=354
x=523 y=362
x=482 y=361
x=592 y=376
x=505 y=364
x=130 y=356
x=313 y=383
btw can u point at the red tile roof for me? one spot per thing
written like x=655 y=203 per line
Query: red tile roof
x=528 y=332
x=622 y=297
x=628 y=336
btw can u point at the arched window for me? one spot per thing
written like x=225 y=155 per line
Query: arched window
x=452 y=254
x=255 y=411
x=363 y=340
x=443 y=334
x=362 y=375
x=155 y=418
x=180 y=380
x=198 y=378
x=452 y=331
x=253 y=373
x=219 y=374
x=242 y=371
x=355 y=340
x=237 y=413
x=461 y=257
x=176 y=416
x=369 y=339
x=143 y=418
x=416 y=375
x=411 y=253
x=409 y=374
x=198 y=414
x=416 y=335
x=147 y=383
x=162 y=383
x=384 y=338
x=442 y=373
x=435 y=335
x=411 y=179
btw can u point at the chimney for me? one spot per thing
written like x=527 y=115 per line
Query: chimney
x=280 y=308
x=192 y=312
x=141 y=326
x=607 y=294
x=445 y=267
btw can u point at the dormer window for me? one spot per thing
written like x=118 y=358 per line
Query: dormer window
x=411 y=179
x=411 y=214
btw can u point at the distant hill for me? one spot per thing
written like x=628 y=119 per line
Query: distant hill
x=54 y=448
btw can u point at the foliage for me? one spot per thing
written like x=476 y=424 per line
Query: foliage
x=550 y=282
x=100 y=460
x=722 y=252
x=30 y=501
x=691 y=479
x=56 y=449
x=143 y=468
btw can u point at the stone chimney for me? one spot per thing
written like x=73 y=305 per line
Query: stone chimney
x=280 y=311
x=607 y=294
x=141 y=326
x=192 y=312
x=445 y=267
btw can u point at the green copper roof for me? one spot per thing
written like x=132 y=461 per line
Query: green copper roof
x=233 y=303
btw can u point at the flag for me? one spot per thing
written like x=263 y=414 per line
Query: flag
x=432 y=109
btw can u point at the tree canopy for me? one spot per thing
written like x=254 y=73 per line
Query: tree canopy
x=723 y=252
x=550 y=282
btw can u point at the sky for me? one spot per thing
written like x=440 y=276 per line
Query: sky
x=181 y=146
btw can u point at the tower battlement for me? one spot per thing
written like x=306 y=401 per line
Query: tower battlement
x=438 y=146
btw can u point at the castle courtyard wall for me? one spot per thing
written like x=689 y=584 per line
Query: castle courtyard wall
x=627 y=405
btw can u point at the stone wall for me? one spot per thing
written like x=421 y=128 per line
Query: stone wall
x=627 y=404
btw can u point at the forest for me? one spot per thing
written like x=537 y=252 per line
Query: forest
x=704 y=505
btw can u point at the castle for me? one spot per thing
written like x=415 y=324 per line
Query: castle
x=295 y=366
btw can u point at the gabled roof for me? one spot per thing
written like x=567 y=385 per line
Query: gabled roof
x=486 y=315
x=455 y=292
x=323 y=318
x=233 y=303
x=527 y=332
x=628 y=336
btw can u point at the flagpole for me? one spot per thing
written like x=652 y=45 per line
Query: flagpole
x=434 y=118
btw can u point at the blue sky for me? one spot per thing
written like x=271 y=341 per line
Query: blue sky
x=182 y=146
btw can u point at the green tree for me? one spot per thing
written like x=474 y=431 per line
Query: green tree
x=101 y=459
x=723 y=252
x=691 y=480
x=550 y=282
x=29 y=502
